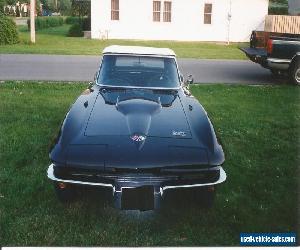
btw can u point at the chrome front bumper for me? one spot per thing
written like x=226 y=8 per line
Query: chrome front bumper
x=50 y=174
x=158 y=190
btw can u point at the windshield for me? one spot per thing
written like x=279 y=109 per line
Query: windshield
x=138 y=71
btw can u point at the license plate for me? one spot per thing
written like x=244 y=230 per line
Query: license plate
x=140 y=198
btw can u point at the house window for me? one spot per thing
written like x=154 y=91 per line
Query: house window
x=115 y=10
x=207 y=13
x=156 y=11
x=167 y=11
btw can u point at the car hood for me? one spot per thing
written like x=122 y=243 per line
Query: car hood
x=138 y=112
x=124 y=128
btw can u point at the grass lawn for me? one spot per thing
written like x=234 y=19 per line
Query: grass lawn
x=259 y=128
x=55 y=41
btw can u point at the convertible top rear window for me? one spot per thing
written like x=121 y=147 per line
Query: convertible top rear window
x=134 y=61
x=138 y=71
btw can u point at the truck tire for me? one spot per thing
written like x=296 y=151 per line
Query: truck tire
x=295 y=73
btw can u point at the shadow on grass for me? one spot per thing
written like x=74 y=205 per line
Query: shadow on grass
x=177 y=199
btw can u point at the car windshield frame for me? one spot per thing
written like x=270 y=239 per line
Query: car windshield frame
x=173 y=64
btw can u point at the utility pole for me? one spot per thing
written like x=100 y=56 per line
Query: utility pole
x=228 y=25
x=32 y=22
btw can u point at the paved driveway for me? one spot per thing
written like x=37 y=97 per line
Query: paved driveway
x=83 y=68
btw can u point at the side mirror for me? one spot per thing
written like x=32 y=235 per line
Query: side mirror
x=181 y=79
x=90 y=87
x=95 y=76
x=190 y=80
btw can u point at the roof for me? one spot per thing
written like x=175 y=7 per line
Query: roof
x=116 y=49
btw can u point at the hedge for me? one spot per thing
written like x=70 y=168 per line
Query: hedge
x=85 y=21
x=72 y=19
x=8 y=31
x=46 y=22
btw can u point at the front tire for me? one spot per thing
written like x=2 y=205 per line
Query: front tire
x=65 y=192
x=295 y=73
x=205 y=196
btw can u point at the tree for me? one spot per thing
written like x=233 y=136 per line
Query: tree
x=48 y=5
x=2 y=4
x=81 y=8
x=278 y=7
x=283 y=2
x=64 y=7
x=11 y=2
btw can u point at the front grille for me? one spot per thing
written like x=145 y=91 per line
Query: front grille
x=80 y=174
x=138 y=176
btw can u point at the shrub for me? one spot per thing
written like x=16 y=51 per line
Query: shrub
x=72 y=20
x=75 y=30
x=46 y=22
x=8 y=31
x=282 y=10
x=86 y=23
x=78 y=25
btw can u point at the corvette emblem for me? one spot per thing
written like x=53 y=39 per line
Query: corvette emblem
x=179 y=133
x=138 y=138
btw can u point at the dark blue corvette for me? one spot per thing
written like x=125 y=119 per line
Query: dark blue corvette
x=138 y=131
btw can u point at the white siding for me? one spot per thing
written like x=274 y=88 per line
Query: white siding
x=294 y=7
x=136 y=20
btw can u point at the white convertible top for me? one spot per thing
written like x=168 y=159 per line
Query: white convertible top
x=139 y=50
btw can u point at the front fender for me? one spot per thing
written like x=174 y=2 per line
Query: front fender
x=73 y=125
x=202 y=128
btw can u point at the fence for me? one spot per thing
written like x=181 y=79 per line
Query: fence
x=283 y=24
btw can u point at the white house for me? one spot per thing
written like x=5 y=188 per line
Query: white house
x=294 y=7
x=181 y=20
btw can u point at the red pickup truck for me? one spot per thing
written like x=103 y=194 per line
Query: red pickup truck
x=276 y=51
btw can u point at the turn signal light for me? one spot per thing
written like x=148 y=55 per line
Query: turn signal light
x=270 y=46
x=86 y=92
x=62 y=185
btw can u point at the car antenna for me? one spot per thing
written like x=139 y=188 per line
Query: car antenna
x=158 y=101
x=117 y=102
